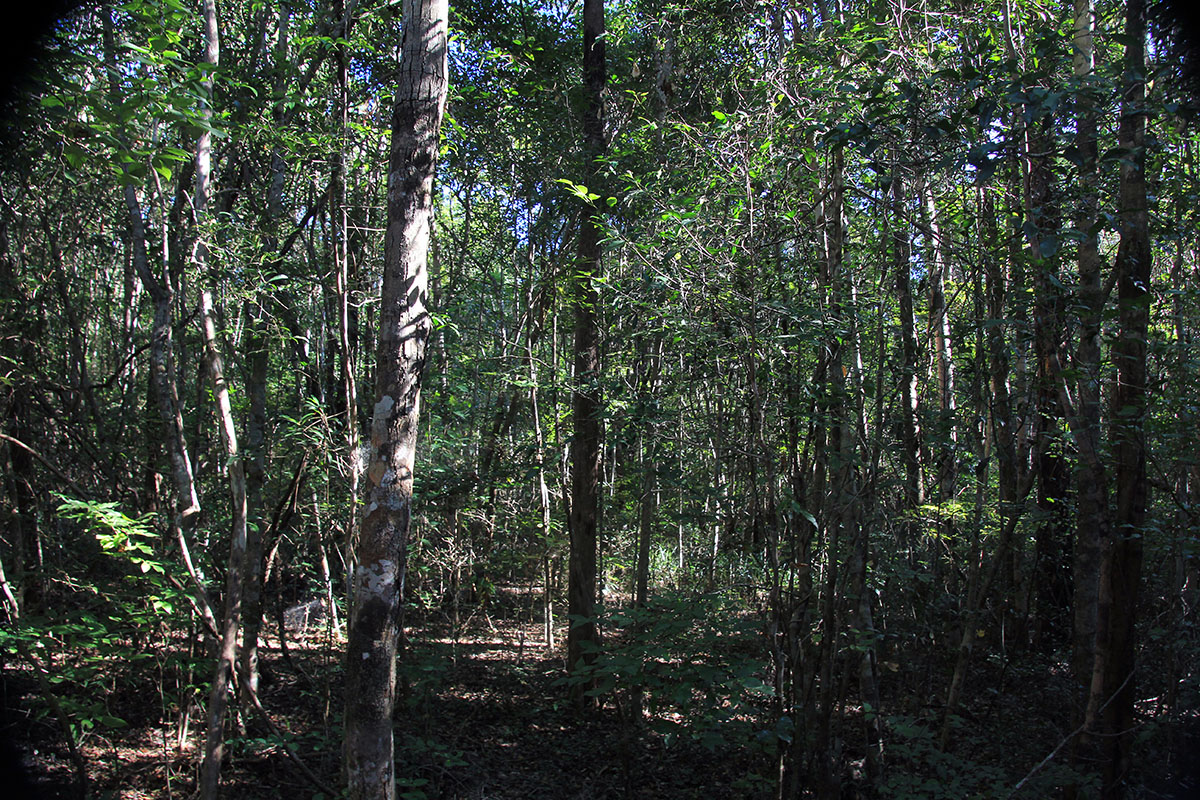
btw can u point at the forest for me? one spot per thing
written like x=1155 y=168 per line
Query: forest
x=626 y=399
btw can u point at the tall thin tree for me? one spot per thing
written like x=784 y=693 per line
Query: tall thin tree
x=1121 y=573
x=586 y=405
x=214 y=747
x=404 y=326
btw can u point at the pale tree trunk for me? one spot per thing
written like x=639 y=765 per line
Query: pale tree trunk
x=214 y=749
x=586 y=451
x=256 y=466
x=939 y=324
x=346 y=319
x=944 y=440
x=543 y=488
x=164 y=386
x=1091 y=476
x=404 y=326
x=1123 y=562
x=214 y=746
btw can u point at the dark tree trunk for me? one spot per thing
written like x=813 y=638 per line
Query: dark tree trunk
x=1124 y=562
x=1092 y=519
x=1051 y=549
x=586 y=450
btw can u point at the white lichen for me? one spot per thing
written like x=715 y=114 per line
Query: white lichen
x=385 y=404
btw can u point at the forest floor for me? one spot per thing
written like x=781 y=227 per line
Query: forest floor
x=482 y=713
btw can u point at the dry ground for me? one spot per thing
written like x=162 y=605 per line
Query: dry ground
x=481 y=715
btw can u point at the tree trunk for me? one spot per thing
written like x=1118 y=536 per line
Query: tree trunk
x=404 y=326
x=347 y=316
x=256 y=428
x=1050 y=579
x=649 y=364
x=586 y=451
x=1091 y=476
x=163 y=373
x=256 y=469
x=1124 y=563
x=914 y=489
x=838 y=514
x=214 y=746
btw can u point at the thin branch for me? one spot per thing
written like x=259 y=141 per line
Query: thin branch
x=40 y=673
x=1067 y=739
x=57 y=472
x=248 y=687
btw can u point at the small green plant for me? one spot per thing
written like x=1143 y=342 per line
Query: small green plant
x=141 y=602
x=157 y=591
x=424 y=756
x=694 y=662
x=919 y=769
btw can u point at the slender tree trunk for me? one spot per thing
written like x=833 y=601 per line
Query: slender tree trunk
x=404 y=326
x=649 y=365
x=231 y=623
x=586 y=451
x=1050 y=579
x=26 y=536
x=163 y=372
x=347 y=323
x=256 y=428
x=914 y=489
x=214 y=747
x=939 y=326
x=256 y=469
x=1124 y=564
x=838 y=514
x=1091 y=475
x=543 y=491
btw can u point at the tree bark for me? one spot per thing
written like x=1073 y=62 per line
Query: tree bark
x=347 y=317
x=404 y=326
x=1123 y=564
x=1091 y=476
x=649 y=364
x=1050 y=579
x=910 y=428
x=163 y=373
x=256 y=428
x=256 y=469
x=214 y=746
x=586 y=451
